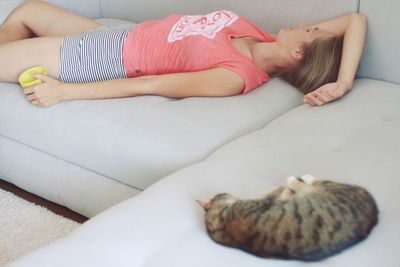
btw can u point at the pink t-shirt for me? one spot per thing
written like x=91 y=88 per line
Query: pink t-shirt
x=193 y=43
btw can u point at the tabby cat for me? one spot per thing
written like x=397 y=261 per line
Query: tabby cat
x=307 y=220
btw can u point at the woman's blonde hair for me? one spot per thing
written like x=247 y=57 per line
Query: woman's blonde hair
x=319 y=66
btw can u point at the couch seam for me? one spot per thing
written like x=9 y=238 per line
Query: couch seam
x=247 y=133
x=255 y=130
x=203 y=159
x=69 y=162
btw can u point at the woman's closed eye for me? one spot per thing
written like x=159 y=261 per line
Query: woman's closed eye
x=311 y=29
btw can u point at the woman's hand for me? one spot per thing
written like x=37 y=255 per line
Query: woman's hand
x=45 y=94
x=353 y=28
x=326 y=93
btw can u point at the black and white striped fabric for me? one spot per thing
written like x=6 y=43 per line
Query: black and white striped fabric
x=95 y=55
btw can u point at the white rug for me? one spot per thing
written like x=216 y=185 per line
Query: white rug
x=25 y=226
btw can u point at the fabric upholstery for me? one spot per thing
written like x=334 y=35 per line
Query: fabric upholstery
x=271 y=15
x=88 y=8
x=54 y=179
x=6 y=7
x=139 y=140
x=382 y=50
x=354 y=140
x=77 y=152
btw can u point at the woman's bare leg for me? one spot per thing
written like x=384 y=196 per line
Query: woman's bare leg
x=35 y=18
x=19 y=55
x=48 y=23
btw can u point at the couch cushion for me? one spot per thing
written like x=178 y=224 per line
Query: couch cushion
x=54 y=179
x=269 y=14
x=139 y=140
x=354 y=140
x=382 y=51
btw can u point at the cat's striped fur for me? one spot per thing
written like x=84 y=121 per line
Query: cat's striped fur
x=308 y=220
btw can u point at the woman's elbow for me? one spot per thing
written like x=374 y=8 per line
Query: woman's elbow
x=358 y=16
x=232 y=88
x=223 y=89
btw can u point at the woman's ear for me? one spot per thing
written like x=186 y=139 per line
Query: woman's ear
x=297 y=54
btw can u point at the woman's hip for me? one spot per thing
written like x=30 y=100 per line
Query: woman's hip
x=94 y=55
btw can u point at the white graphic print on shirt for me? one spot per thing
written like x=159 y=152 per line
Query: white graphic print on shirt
x=208 y=25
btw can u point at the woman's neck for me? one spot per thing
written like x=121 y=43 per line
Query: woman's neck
x=269 y=57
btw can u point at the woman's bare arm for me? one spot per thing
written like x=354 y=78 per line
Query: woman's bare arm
x=213 y=82
x=353 y=29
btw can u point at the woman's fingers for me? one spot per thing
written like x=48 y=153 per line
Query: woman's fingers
x=37 y=103
x=308 y=99
x=30 y=97
x=326 y=93
x=314 y=99
x=317 y=100
x=34 y=100
x=323 y=95
x=28 y=90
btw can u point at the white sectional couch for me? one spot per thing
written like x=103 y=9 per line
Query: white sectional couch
x=163 y=154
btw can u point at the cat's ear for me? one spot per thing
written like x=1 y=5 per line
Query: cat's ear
x=206 y=204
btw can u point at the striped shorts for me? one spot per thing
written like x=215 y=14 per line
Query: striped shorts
x=94 y=55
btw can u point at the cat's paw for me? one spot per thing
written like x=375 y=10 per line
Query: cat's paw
x=291 y=178
x=308 y=178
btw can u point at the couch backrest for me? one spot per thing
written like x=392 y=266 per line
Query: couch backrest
x=269 y=14
x=381 y=59
x=88 y=8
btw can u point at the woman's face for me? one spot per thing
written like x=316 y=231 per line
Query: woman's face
x=292 y=38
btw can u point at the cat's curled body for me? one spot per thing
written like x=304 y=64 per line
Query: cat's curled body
x=308 y=220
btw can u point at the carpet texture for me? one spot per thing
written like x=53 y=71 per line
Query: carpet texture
x=25 y=226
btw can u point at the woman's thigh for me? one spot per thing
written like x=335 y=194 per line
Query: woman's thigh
x=44 y=19
x=17 y=56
